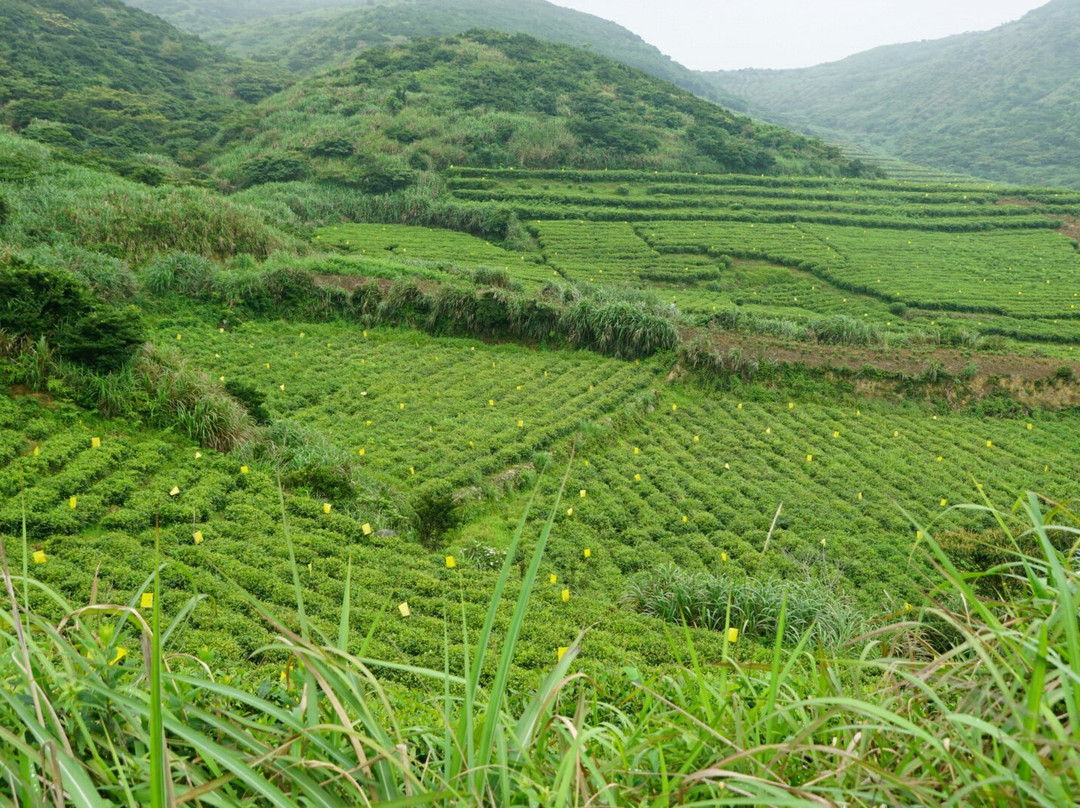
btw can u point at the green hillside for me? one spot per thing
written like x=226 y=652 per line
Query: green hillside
x=315 y=34
x=111 y=82
x=492 y=99
x=207 y=17
x=343 y=452
x=1001 y=104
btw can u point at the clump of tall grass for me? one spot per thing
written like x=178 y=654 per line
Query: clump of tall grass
x=701 y=356
x=815 y=609
x=176 y=394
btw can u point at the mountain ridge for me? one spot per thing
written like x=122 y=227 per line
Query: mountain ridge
x=1000 y=104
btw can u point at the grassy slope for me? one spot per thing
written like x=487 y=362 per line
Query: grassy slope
x=494 y=99
x=112 y=80
x=1000 y=104
x=99 y=225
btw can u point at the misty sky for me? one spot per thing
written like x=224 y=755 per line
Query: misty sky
x=732 y=34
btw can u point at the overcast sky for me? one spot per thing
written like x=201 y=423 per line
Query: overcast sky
x=732 y=34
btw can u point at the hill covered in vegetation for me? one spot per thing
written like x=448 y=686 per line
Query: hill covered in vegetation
x=315 y=34
x=108 y=81
x=1001 y=104
x=491 y=99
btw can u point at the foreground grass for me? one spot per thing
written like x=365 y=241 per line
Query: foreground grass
x=968 y=702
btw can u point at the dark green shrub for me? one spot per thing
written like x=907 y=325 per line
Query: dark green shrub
x=332 y=147
x=272 y=168
x=5 y=211
x=36 y=301
x=435 y=512
x=105 y=337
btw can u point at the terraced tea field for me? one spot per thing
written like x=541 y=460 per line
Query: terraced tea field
x=949 y=260
x=669 y=472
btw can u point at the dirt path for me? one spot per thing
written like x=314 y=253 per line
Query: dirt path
x=907 y=360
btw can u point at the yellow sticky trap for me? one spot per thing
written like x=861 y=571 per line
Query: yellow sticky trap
x=686 y=518
x=723 y=556
x=740 y=406
x=401 y=406
x=569 y=511
x=939 y=459
x=37 y=451
x=179 y=336
x=553 y=578
x=768 y=430
x=362 y=452
x=39 y=557
x=491 y=402
x=73 y=502
x=174 y=491
x=809 y=458
x=450 y=562
x=281 y=388
x=989 y=443
x=896 y=433
x=412 y=470
x=198 y=455
x=197 y=536
x=95 y=443
x=366 y=527
x=907 y=606
x=587 y=553
x=581 y=493
x=637 y=477
x=823 y=542
x=637 y=450
x=791 y=405
x=860 y=496
x=404 y=609
x=326 y=507
x=565 y=595
x=1031 y=426
x=732 y=635
x=918 y=534
x=836 y=434
x=147 y=600
x=697 y=438
x=365 y=337
x=727 y=467
x=121 y=652
x=243 y=469
x=674 y=407
x=562 y=651
x=521 y=423
x=268 y=366
x=944 y=502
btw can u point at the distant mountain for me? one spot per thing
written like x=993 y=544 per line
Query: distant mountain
x=487 y=98
x=1002 y=104
x=319 y=34
x=100 y=77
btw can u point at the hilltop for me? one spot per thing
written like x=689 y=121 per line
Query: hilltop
x=112 y=82
x=492 y=99
x=316 y=34
x=1000 y=104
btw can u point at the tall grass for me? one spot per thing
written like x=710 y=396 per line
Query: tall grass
x=992 y=719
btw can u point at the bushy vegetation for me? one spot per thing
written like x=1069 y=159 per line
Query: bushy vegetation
x=55 y=306
x=97 y=225
x=528 y=103
x=111 y=84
